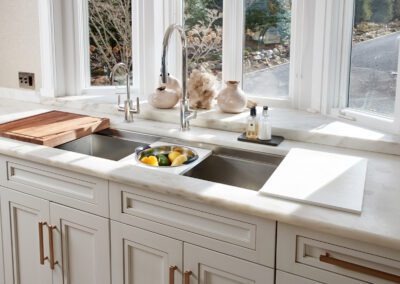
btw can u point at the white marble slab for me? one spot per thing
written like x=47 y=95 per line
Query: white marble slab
x=202 y=153
x=320 y=178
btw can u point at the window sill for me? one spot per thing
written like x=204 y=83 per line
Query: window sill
x=292 y=124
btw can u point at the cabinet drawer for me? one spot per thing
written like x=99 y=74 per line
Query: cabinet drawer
x=57 y=185
x=331 y=259
x=242 y=236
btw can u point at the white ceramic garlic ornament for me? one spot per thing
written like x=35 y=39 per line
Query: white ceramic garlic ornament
x=164 y=98
x=232 y=99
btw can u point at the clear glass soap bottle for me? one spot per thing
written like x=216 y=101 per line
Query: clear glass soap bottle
x=264 y=126
x=251 y=130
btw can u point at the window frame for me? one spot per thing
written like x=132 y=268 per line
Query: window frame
x=339 y=107
x=319 y=64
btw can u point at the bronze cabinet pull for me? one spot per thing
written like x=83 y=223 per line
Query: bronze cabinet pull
x=41 y=243
x=360 y=269
x=187 y=275
x=172 y=274
x=51 y=246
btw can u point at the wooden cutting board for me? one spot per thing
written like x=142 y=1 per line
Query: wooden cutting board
x=53 y=128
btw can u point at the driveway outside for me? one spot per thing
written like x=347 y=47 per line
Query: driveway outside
x=372 y=83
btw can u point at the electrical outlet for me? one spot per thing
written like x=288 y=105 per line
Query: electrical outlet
x=26 y=80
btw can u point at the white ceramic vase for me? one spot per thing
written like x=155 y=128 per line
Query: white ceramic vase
x=232 y=99
x=172 y=84
x=164 y=98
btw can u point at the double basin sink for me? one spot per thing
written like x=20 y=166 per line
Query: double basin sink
x=228 y=166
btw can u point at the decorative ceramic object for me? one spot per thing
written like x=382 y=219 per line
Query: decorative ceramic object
x=173 y=84
x=232 y=99
x=201 y=90
x=164 y=98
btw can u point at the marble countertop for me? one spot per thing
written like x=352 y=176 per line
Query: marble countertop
x=377 y=224
x=293 y=124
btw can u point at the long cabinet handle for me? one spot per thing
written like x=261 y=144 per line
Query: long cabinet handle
x=51 y=246
x=187 y=275
x=172 y=274
x=358 y=268
x=41 y=243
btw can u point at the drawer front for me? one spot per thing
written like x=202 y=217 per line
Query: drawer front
x=71 y=189
x=333 y=259
x=191 y=222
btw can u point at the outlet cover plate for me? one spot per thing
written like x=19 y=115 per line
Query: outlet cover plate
x=26 y=80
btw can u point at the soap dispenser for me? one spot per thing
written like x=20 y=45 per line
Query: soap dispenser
x=251 y=129
x=264 y=126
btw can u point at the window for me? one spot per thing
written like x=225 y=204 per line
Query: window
x=368 y=46
x=110 y=39
x=267 y=47
x=374 y=58
x=334 y=57
x=204 y=28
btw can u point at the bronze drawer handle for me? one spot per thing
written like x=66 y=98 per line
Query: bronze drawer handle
x=172 y=274
x=358 y=268
x=187 y=275
x=51 y=246
x=41 y=243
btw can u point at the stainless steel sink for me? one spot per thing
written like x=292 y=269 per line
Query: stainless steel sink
x=110 y=144
x=237 y=168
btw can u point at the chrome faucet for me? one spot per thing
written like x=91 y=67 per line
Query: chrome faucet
x=186 y=113
x=127 y=107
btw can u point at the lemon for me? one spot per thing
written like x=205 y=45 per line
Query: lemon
x=173 y=155
x=179 y=160
x=151 y=160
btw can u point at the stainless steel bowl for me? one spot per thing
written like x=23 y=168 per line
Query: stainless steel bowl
x=165 y=150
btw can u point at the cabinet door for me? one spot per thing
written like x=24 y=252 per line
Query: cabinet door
x=81 y=245
x=1 y=247
x=140 y=256
x=286 y=278
x=204 y=266
x=21 y=215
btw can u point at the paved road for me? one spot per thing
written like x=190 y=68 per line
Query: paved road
x=379 y=54
x=373 y=82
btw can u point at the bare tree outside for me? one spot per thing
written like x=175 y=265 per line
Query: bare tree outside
x=203 y=25
x=110 y=32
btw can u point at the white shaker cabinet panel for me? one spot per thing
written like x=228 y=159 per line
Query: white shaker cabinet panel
x=286 y=278
x=82 y=247
x=204 y=266
x=1 y=247
x=21 y=215
x=143 y=257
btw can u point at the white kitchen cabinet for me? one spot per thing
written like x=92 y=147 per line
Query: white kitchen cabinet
x=21 y=215
x=77 y=243
x=1 y=248
x=140 y=256
x=82 y=246
x=208 y=267
x=286 y=278
x=330 y=259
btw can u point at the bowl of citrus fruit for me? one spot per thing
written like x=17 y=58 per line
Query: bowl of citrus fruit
x=167 y=156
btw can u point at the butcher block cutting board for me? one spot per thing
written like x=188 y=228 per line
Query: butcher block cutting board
x=53 y=128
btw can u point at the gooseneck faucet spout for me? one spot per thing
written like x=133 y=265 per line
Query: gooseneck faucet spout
x=185 y=113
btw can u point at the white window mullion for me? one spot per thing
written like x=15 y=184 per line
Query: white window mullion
x=233 y=40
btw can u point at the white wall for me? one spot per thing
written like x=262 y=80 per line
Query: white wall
x=19 y=41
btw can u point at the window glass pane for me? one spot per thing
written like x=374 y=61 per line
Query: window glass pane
x=203 y=25
x=267 y=47
x=374 y=56
x=110 y=38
